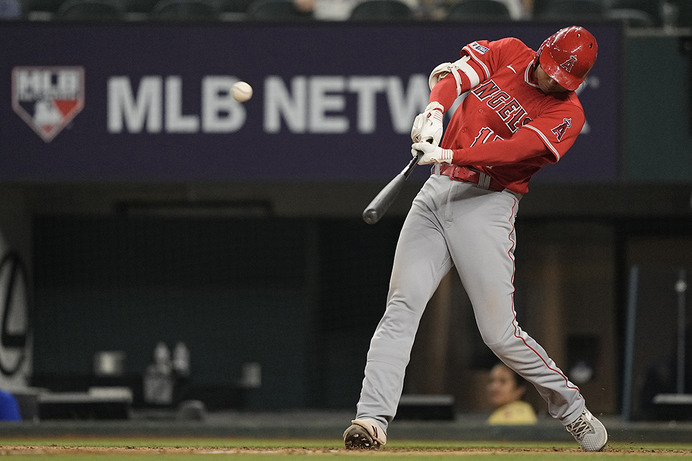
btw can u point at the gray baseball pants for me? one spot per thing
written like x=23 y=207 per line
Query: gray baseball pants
x=453 y=223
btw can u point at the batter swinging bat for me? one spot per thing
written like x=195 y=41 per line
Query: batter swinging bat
x=384 y=199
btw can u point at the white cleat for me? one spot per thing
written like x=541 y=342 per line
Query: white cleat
x=364 y=434
x=589 y=432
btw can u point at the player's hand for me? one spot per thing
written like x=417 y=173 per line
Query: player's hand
x=427 y=126
x=431 y=153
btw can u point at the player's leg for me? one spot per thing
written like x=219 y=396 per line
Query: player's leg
x=421 y=260
x=485 y=262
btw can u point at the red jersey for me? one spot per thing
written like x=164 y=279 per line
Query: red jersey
x=504 y=114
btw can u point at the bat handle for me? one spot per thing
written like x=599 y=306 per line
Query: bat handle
x=412 y=164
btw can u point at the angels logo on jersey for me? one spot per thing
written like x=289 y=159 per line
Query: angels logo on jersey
x=47 y=98
x=559 y=131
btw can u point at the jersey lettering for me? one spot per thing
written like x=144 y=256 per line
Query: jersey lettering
x=518 y=120
x=487 y=89
x=559 y=131
x=507 y=108
x=498 y=99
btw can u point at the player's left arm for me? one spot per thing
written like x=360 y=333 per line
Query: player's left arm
x=547 y=138
x=523 y=145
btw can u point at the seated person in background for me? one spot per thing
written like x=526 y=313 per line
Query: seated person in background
x=505 y=391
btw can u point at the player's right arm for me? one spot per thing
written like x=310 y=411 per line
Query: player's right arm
x=478 y=61
x=450 y=80
x=447 y=82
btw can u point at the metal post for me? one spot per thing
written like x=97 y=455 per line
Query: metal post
x=681 y=288
x=629 y=344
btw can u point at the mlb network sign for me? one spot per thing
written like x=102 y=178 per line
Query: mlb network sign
x=162 y=109
x=305 y=104
x=47 y=98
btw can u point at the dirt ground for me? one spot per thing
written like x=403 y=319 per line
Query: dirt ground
x=63 y=450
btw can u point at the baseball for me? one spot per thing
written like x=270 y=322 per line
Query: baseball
x=241 y=91
x=680 y=286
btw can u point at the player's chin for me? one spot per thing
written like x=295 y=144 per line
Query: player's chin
x=552 y=89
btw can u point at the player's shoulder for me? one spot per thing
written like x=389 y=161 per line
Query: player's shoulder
x=513 y=41
x=573 y=101
x=564 y=106
x=577 y=108
x=483 y=46
x=512 y=49
x=508 y=47
x=514 y=44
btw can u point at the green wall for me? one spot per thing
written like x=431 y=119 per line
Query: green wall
x=657 y=136
x=299 y=296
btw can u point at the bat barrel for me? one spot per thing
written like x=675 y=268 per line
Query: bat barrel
x=370 y=216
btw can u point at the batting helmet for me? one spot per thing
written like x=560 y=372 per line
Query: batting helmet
x=568 y=55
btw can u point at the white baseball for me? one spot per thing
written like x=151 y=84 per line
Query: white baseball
x=680 y=286
x=241 y=91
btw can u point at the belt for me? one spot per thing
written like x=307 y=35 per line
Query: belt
x=465 y=174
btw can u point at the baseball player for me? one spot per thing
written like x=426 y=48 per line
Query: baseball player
x=520 y=113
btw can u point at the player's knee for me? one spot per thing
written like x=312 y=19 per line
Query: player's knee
x=499 y=341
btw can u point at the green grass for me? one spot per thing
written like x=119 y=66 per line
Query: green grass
x=176 y=449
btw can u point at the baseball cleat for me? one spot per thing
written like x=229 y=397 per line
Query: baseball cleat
x=589 y=432
x=364 y=434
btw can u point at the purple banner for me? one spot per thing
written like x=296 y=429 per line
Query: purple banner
x=332 y=101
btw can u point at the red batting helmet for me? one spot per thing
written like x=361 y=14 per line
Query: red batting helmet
x=568 y=55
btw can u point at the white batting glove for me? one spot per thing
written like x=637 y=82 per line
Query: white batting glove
x=431 y=153
x=427 y=126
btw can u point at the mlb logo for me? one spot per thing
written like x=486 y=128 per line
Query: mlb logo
x=479 y=48
x=47 y=98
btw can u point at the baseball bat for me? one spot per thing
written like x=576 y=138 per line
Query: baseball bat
x=384 y=199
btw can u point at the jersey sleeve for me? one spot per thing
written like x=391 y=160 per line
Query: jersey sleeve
x=487 y=57
x=558 y=128
x=520 y=147
x=549 y=136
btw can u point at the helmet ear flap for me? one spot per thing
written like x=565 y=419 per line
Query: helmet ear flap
x=537 y=58
x=539 y=52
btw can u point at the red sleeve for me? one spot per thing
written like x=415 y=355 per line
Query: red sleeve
x=523 y=145
x=559 y=128
x=487 y=57
x=445 y=92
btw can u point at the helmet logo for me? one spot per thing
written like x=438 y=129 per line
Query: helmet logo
x=567 y=65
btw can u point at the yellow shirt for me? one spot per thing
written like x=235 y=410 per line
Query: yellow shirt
x=515 y=413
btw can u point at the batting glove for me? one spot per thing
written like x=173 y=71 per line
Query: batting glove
x=427 y=126
x=431 y=153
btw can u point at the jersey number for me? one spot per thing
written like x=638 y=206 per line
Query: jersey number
x=485 y=135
